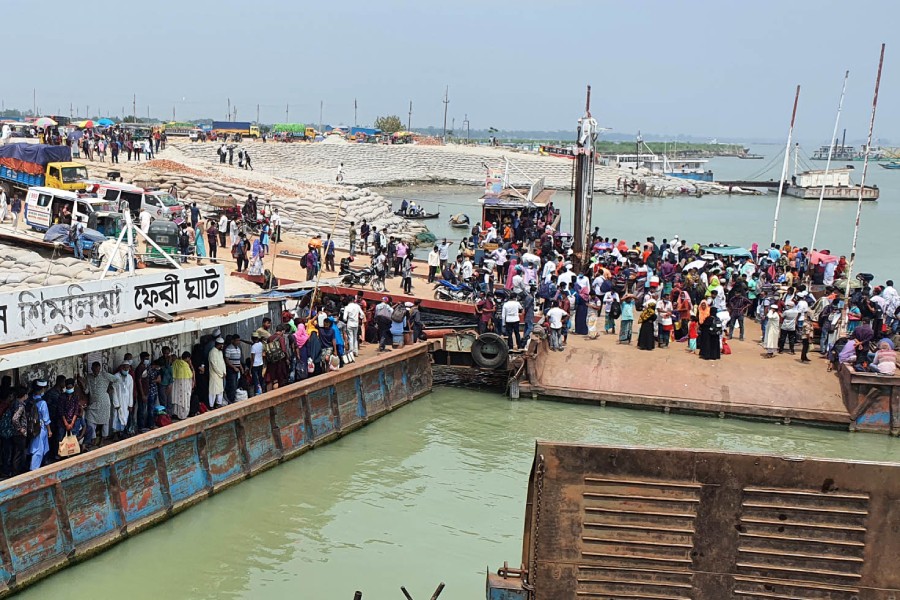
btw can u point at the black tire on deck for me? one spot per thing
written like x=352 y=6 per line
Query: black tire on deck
x=489 y=351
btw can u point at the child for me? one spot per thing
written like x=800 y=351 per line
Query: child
x=692 y=334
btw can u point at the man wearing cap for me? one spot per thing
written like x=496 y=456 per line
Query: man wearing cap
x=123 y=398
x=216 y=366
x=99 y=411
x=39 y=446
x=383 y=313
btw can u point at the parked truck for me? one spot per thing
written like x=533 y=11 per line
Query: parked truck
x=23 y=166
x=235 y=129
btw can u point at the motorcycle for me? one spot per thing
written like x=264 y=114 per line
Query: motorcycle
x=445 y=290
x=353 y=277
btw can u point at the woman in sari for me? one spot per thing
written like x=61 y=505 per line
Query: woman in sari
x=709 y=343
x=183 y=375
x=647 y=321
x=256 y=262
x=593 y=320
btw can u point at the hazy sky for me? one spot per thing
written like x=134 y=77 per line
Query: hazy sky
x=717 y=68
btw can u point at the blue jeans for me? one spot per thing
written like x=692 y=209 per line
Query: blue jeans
x=259 y=383
x=78 y=248
x=231 y=384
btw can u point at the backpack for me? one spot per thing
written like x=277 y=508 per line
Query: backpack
x=398 y=314
x=615 y=310
x=33 y=423
x=544 y=291
x=274 y=351
x=184 y=239
x=606 y=286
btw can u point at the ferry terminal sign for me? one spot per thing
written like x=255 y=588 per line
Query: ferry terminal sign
x=39 y=312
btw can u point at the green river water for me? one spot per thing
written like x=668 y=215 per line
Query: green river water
x=432 y=492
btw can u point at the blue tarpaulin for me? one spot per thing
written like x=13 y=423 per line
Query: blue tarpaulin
x=728 y=251
x=36 y=153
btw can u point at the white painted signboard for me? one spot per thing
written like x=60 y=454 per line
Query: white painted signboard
x=39 y=312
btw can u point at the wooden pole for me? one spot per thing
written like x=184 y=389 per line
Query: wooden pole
x=862 y=188
x=784 y=167
x=837 y=121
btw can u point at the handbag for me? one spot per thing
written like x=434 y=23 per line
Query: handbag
x=69 y=445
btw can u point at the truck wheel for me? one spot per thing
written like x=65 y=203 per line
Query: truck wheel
x=489 y=351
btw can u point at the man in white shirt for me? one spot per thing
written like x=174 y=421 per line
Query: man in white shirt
x=549 y=269
x=256 y=366
x=609 y=326
x=597 y=284
x=467 y=269
x=511 y=312
x=4 y=207
x=434 y=263
x=556 y=316
x=223 y=230
x=353 y=316
x=276 y=226
x=145 y=218
x=566 y=276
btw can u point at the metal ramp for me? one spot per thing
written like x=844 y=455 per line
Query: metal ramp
x=649 y=524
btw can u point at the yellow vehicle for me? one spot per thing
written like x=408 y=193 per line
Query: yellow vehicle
x=23 y=166
x=236 y=129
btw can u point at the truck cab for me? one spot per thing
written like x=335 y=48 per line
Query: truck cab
x=160 y=204
x=69 y=176
x=46 y=206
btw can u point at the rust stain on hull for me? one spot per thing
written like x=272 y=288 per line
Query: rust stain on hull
x=64 y=513
x=612 y=522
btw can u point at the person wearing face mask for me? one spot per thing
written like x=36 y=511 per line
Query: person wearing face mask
x=123 y=399
x=142 y=384
x=70 y=413
x=39 y=446
x=99 y=411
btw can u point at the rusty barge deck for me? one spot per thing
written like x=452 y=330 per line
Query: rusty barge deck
x=602 y=372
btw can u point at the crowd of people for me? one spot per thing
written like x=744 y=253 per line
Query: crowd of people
x=669 y=292
x=141 y=393
x=95 y=143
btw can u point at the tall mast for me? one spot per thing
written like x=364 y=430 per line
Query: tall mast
x=584 y=182
x=837 y=121
x=784 y=167
x=862 y=185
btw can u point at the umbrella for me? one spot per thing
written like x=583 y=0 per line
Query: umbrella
x=697 y=264
x=85 y=124
x=45 y=122
x=105 y=122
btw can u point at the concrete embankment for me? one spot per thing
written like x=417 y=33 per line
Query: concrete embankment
x=374 y=164
x=64 y=513
x=306 y=209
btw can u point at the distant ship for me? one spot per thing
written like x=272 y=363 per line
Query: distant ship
x=683 y=168
x=808 y=185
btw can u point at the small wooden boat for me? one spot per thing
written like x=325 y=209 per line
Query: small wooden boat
x=421 y=215
x=459 y=220
x=891 y=165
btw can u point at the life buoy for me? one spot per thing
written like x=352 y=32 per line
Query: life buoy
x=489 y=351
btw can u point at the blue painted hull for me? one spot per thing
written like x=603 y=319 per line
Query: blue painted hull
x=708 y=176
